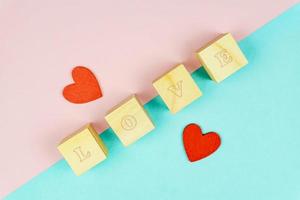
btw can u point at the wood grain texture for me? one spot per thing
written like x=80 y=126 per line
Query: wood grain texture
x=129 y=121
x=83 y=149
x=221 y=57
x=177 y=88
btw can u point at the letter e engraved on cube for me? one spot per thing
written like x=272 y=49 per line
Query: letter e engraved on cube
x=80 y=154
x=223 y=57
x=176 y=89
x=128 y=122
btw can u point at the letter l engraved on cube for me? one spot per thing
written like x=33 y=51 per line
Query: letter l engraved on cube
x=80 y=154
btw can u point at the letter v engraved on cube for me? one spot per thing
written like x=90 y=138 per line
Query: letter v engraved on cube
x=176 y=89
x=80 y=154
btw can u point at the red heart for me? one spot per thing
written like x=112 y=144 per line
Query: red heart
x=198 y=145
x=85 y=87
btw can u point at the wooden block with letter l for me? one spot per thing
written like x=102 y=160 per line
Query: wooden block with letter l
x=222 y=57
x=177 y=88
x=83 y=149
x=129 y=121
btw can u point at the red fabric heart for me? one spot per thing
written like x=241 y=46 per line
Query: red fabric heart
x=198 y=145
x=85 y=87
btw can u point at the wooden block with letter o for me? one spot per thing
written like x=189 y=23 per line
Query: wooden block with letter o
x=177 y=88
x=222 y=57
x=129 y=121
x=83 y=149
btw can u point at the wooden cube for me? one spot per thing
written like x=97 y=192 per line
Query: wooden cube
x=83 y=149
x=177 y=88
x=221 y=57
x=129 y=121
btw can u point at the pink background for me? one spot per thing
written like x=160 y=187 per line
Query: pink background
x=127 y=44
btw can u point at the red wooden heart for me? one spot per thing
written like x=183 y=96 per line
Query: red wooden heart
x=85 y=87
x=198 y=145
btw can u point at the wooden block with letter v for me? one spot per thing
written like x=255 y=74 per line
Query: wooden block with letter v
x=129 y=121
x=83 y=149
x=222 y=57
x=177 y=88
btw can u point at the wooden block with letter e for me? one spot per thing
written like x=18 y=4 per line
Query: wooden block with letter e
x=129 y=121
x=83 y=149
x=177 y=88
x=222 y=57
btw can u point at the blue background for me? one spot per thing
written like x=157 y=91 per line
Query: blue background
x=255 y=111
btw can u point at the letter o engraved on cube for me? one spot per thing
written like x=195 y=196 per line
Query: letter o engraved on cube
x=176 y=89
x=224 y=57
x=128 y=122
x=80 y=154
